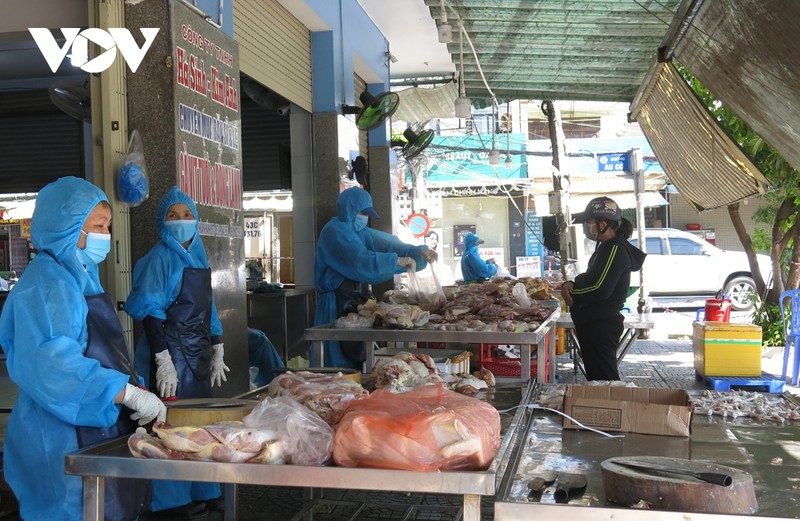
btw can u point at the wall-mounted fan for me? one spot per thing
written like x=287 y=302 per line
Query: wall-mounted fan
x=416 y=142
x=375 y=110
x=72 y=97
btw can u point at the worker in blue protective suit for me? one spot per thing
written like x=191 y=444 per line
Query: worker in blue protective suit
x=349 y=257
x=262 y=355
x=473 y=267
x=181 y=351
x=67 y=354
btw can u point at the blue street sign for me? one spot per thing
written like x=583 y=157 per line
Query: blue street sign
x=613 y=162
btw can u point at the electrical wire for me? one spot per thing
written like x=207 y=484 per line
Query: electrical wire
x=570 y=418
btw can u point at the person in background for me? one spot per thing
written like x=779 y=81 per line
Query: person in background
x=3 y=284
x=262 y=355
x=66 y=352
x=473 y=267
x=349 y=257
x=181 y=352
x=597 y=296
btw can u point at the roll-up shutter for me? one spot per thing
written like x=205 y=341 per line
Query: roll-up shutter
x=274 y=49
x=38 y=142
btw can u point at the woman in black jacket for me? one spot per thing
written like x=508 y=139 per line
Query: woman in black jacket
x=597 y=296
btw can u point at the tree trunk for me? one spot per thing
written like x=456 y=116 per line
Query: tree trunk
x=747 y=243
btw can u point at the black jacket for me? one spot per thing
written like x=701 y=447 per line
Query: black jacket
x=603 y=288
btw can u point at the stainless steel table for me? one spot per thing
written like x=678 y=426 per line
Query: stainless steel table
x=768 y=451
x=632 y=324
x=543 y=338
x=113 y=459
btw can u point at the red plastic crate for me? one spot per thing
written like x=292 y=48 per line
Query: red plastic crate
x=507 y=366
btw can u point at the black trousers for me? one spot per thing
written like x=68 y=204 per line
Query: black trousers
x=598 y=339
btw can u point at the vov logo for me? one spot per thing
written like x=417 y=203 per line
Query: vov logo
x=78 y=41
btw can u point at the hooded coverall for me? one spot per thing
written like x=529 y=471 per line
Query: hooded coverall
x=473 y=267
x=347 y=261
x=56 y=324
x=173 y=285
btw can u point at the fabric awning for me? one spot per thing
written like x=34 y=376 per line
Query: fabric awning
x=419 y=104
x=707 y=167
x=745 y=52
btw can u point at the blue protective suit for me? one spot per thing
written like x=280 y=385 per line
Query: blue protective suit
x=473 y=267
x=158 y=280
x=43 y=332
x=345 y=255
x=262 y=355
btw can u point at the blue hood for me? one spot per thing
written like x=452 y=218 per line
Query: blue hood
x=61 y=209
x=351 y=202
x=173 y=196
x=470 y=240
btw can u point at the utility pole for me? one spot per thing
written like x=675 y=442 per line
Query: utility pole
x=637 y=169
x=559 y=197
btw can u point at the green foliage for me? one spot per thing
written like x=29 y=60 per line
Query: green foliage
x=783 y=178
x=768 y=316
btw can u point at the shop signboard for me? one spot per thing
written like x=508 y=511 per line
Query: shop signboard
x=534 y=235
x=208 y=157
x=529 y=266
x=465 y=159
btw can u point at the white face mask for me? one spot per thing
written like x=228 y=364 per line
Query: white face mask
x=361 y=222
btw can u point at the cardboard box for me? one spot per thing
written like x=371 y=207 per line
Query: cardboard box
x=643 y=410
x=725 y=349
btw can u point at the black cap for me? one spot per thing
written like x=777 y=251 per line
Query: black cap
x=600 y=208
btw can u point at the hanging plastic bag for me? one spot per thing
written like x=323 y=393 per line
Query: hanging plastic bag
x=132 y=184
x=425 y=289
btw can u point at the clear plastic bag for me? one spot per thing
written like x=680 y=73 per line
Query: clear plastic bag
x=306 y=438
x=132 y=184
x=425 y=289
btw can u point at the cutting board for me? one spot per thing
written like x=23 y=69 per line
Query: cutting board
x=664 y=491
x=205 y=411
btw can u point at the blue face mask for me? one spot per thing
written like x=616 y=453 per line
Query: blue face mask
x=97 y=247
x=181 y=230
x=360 y=222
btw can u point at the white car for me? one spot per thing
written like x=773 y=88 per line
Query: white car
x=681 y=264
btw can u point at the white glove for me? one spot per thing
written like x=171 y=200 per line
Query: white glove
x=145 y=405
x=218 y=366
x=166 y=376
x=407 y=262
x=429 y=255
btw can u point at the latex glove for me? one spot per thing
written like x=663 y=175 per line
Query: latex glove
x=429 y=255
x=145 y=405
x=166 y=376
x=218 y=366
x=407 y=262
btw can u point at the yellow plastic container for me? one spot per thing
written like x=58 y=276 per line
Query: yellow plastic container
x=724 y=349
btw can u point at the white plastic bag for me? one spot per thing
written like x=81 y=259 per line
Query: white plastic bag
x=520 y=293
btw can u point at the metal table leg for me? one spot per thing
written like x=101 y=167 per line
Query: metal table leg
x=94 y=495
x=626 y=342
x=318 y=348
x=472 y=507
x=231 y=501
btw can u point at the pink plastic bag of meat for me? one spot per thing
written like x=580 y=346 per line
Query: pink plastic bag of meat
x=425 y=429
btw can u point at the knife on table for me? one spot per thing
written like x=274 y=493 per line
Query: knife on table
x=569 y=485
x=716 y=478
